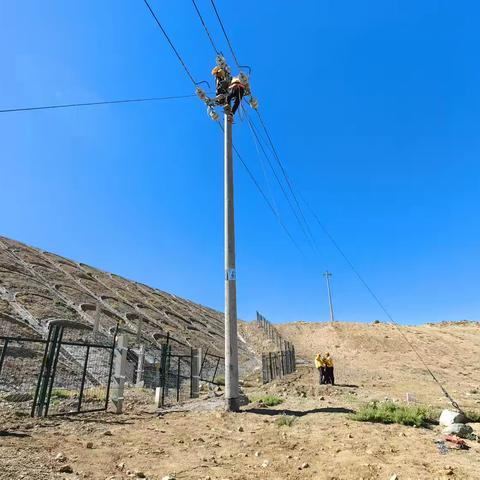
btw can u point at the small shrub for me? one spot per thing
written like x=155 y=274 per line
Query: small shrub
x=270 y=400
x=94 y=395
x=220 y=380
x=473 y=417
x=285 y=421
x=376 y=322
x=63 y=393
x=388 y=412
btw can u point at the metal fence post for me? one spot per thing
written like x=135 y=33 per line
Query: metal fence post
x=270 y=361
x=195 y=373
x=84 y=374
x=264 y=369
x=4 y=353
x=110 y=369
x=164 y=370
x=120 y=367
x=216 y=369
x=178 y=377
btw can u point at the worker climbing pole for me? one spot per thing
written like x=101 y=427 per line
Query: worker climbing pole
x=229 y=91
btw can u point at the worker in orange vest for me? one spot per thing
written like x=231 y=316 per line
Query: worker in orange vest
x=236 y=90
x=329 y=374
x=222 y=84
x=320 y=366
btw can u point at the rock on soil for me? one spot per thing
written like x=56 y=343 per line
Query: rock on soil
x=448 y=417
x=459 y=429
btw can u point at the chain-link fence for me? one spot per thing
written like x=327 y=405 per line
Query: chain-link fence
x=212 y=369
x=171 y=368
x=69 y=372
x=277 y=364
x=20 y=365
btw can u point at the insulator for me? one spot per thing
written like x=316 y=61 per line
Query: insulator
x=201 y=93
x=221 y=62
x=243 y=78
x=213 y=114
x=254 y=103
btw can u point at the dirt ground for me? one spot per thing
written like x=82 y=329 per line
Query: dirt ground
x=198 y=440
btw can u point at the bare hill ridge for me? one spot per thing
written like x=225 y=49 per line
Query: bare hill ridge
x=377 y=358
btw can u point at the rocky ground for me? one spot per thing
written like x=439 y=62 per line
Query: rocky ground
x=198 y=440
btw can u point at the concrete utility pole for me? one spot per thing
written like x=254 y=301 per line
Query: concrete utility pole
x=231 y=347
x=327 y=275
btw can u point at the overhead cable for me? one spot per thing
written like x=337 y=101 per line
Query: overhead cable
x=256 y=137
x=89 y=104
x=380 y=304
x=264 y=170
x=224 y=33
x=170 y=42
x=205 y=27
x=262 y=193
x=285 y=175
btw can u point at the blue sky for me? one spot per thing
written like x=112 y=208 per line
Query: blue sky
x=374 y=109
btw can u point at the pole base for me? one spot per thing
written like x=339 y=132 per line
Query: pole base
x=232 y=405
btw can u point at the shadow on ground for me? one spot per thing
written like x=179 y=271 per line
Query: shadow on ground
x=6 y=433
x=297 y=413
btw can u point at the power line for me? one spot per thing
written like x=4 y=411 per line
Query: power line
x=264 y=171
x=88 y=104
x=284 y=172
x=224 y=32
x=255 y=134
x=379 y=303
x=205 y=27
x=252 y=177
x=170 y=42
x=262 y=193
x=447 y=395
x=355 y=271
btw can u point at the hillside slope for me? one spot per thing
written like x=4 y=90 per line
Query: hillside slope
x=377 y=358
x=37 y=287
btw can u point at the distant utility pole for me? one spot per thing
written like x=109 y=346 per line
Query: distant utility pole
x=327 y=275
x=231 y=347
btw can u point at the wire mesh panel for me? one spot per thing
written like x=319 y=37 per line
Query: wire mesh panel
x=63 y=395
x=75 y=373
x=278 y=364
x=20 y=363
x=212 y=369
x=177 y=378
x=94 y=392
x=152 y=367
x=81 y=379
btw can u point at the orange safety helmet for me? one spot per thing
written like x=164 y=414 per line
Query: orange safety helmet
x=218 y=72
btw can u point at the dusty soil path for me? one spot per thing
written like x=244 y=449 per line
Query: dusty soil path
x=197 y=440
